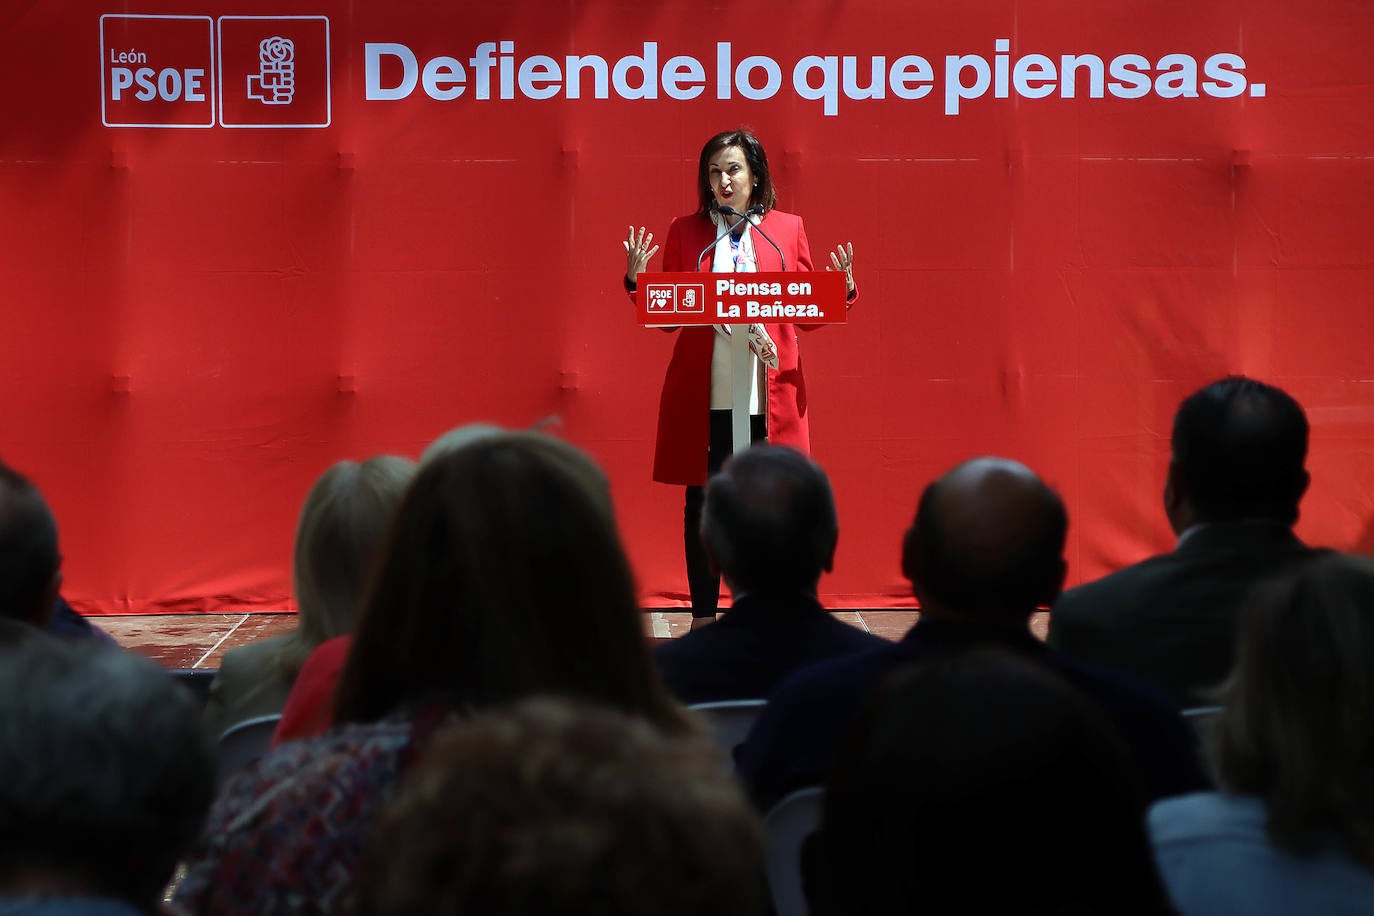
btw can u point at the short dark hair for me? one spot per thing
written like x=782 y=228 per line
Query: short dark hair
x=503 y=575
x=105 y=772
x=555 y=807
x=967 y=781
x=1295 y=727
x=1239 y=447
x=1006 y=563
x=770 y=520
x=762 y=195
x=29 y=556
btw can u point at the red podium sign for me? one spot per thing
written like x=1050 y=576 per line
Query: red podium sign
x=785 y=297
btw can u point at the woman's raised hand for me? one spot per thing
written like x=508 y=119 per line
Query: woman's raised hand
x=638 y=252
x=842 y=258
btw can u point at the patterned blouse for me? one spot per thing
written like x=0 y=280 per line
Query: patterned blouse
x=287 y=834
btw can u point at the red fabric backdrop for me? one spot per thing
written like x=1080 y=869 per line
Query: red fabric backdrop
x=198 y=321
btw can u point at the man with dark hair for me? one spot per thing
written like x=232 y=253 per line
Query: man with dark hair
x=985 y=550
x=1235 y=479
x=105 y=779
x=769 y=528
x=30 y=566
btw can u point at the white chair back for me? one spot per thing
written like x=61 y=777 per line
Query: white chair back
x=731 y=721
x=785 y=830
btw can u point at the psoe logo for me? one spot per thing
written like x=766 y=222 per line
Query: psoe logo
x=195 y=71
x=690 y=298
x=274 y=71
x=157 y=71
x=661 y=297
x=275 y=81
x=680 y=298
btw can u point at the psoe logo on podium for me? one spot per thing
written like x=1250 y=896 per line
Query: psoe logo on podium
x=157 y=71
x=274 y=71
x=675 y=298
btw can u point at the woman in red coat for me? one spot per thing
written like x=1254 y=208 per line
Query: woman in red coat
x=736 y=196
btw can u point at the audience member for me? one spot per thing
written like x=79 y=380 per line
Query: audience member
x=769 y=528
x=503 y=576
x=309 y=708
x=30 y=564
x=983 y=783
x=341 y=524
x=458 y=437
x=1293 y=747
x=1235 y=480
x=554 y=807
x=985 y=550
x=105 y=777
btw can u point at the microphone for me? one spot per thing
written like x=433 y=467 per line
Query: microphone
x=724 y=211
x=759 y=211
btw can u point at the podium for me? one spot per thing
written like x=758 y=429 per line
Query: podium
x=737 y=300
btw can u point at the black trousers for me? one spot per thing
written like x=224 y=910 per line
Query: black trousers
x=704 y=585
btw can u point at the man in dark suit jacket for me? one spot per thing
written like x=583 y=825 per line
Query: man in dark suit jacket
x=769 y=527
x=985 y=550
x=1235 y=479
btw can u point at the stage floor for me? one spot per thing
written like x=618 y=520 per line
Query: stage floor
x=200 y=640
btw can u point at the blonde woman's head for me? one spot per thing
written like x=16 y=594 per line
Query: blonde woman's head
x=341 y=524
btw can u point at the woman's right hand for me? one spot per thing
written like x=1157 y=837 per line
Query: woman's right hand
x=638 y=253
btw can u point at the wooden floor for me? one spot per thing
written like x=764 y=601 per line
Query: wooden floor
x=200 y=640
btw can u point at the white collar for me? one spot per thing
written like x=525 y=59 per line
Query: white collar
x=718 y=218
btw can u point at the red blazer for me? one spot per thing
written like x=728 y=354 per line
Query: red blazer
x=685 y=406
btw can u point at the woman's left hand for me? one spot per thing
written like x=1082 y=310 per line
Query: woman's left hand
x=842 y=258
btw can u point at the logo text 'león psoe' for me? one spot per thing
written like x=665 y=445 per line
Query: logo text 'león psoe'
x=198 y=71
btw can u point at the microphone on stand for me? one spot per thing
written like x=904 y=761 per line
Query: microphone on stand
x=759 y=211
x=724 y=211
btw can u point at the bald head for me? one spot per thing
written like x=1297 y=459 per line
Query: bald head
x=988 y=541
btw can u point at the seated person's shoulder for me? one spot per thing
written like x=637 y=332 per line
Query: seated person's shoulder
x=825 y=678
x=821 y=696
x=1113 y=684
x=1122 y=581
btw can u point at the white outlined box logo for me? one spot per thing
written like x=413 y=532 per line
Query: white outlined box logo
x=157 y=71
x=274 y=71
x=660 y=298
x=674 y=298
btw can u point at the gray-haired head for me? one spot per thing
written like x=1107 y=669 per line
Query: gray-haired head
x=769 y=521
x=105 y=776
